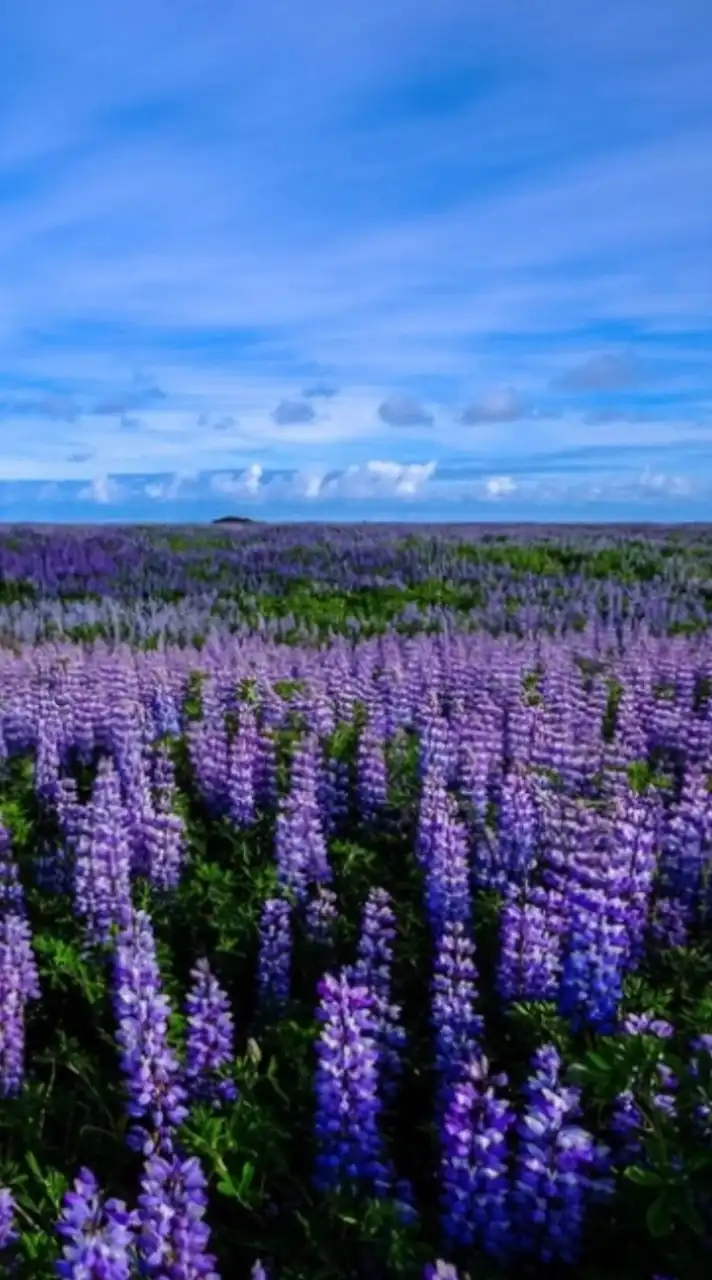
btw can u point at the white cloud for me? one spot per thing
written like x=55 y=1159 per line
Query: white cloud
x=378 y=479
x=170 y=489
x=500 y=486
x=246 y=484
x=103 y=490
x=673 y=485
x=375 y=479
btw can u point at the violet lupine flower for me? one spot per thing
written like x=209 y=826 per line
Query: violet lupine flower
x=684 y=853
x=440 y=1270
x=208 y=751
x=300 y=846
x=164 y=713
x=47 y=763
x=152 y=1073
x=703 y=1111
x=636 y=822
x=258 y=1271
x=348 y=1105
x=594 y=963
x=474 y=1162
x=435 y=746
x=373 y=970
x=240 y=781
x=12 y=897
x=371 y=773
x=265 y=770
x=458 y=1027
x=172 y=1236
x=97 y=1235
x=530 y=944
x=554 y=1164
x=275 y=955
x=663 y=1099
x=334 y=792
x=165 y=843
x=638 y=1024
x=321 y=915
x=432 y=804
x=626 y=1129
x=19 y=982
x=210 y=1037
x=102 y=860
x=517 y=832
x=447 y=869
x=8 y=1234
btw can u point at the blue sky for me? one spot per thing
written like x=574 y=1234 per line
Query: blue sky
x=407 y=260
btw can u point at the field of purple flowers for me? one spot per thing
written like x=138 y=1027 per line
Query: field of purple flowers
x=355 y=903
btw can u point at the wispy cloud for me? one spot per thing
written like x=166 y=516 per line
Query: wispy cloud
x=608 y=372
x=320 y=391
x=498 y=406
x=404 y=411
x=292 y=411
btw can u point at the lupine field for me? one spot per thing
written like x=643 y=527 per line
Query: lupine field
x=355 y=906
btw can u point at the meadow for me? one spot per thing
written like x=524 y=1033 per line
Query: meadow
x=355 y=903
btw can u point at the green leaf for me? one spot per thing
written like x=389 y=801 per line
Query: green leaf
x=687 y=1212
x=644 y=1177
x=659 y=1216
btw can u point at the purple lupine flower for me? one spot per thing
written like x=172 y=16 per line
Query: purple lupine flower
x=12 y=897
x=703 y=1111
x=435 y=746
x=530 y=944
x=637 y=1024
x=371 y=773
x=440 y=1270
x=473 y=1167
x=265 y=770
x=626 y=1129
x=431 y=806
x=517 y=832
x=8 y=1234
x=97 y=1235
x=321 y=915
x=447 y=868
x=164 y=713
x=554 y=1164
x=334 y=791
x=373 y=970
x=240 y=781
x=19 y=982
x=164 y=838
x=663 y=1099
x=172 y=1236
x=458 y=1027
x=210 y=1038
x=275 y=955
x=102 y=860
x=593 y=968
x=348 y=1105
x=258 y=1272
x=151 y=1070
x=300 y=846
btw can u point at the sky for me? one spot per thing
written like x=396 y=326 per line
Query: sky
x=401 y=261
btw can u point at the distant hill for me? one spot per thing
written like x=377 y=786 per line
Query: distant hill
x=234 y=520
